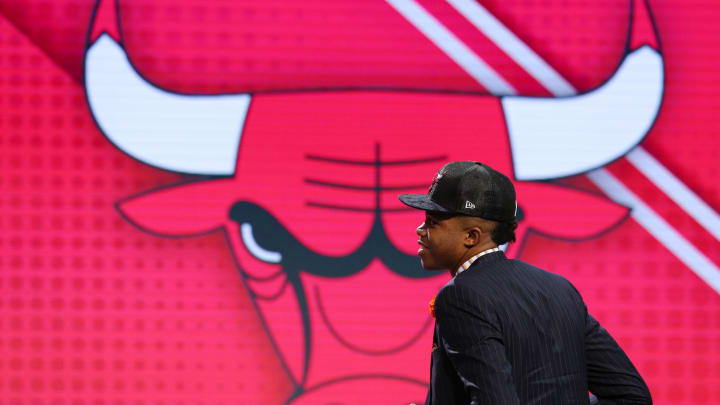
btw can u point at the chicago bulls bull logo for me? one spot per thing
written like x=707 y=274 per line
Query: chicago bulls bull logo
x=310 y=212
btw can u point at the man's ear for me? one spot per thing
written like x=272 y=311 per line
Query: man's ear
x=473 y=236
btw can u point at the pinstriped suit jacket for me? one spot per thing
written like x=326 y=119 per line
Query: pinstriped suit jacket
x=510 y=333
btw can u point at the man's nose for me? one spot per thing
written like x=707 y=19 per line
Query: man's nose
x=420 y=229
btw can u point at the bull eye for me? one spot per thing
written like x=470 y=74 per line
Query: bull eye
x=267 y=239
x=254 y=248
x=261 y=233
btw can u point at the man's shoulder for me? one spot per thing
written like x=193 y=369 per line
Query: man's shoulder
x=549 y=274
x=493 y=277
x=533 y=269
x=503 y=267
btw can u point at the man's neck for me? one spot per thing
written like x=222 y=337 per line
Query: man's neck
x=470 y=253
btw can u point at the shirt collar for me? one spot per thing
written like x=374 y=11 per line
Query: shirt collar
x=471 y=260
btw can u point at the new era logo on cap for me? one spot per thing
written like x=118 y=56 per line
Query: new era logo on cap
x=469 y=205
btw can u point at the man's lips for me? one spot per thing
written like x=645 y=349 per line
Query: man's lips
x=423 y=246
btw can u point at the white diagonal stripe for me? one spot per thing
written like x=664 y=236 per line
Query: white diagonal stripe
x=557 y=85
x=453 y=47
x=506 y=40
x=658 y=174
x=639 y=157
x=657 y=227
x=646 y=217
x=676 y=190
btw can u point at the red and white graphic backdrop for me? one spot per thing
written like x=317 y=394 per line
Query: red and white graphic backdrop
x=124 y=280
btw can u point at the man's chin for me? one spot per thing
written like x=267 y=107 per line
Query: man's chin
x=430 y=266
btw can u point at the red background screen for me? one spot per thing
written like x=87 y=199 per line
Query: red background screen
x=198 y=200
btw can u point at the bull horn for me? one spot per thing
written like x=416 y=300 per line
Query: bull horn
x=559 y=137
x=197 y=134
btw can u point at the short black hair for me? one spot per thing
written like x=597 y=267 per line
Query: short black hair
x=500 y=233
x=504 y=232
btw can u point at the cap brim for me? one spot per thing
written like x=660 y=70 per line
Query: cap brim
x=421 y=202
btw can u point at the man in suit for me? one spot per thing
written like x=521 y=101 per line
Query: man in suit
x=507 y=332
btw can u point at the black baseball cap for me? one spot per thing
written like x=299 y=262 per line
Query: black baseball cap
x=468 y=188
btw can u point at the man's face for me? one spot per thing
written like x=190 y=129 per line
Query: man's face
x=441 y=239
